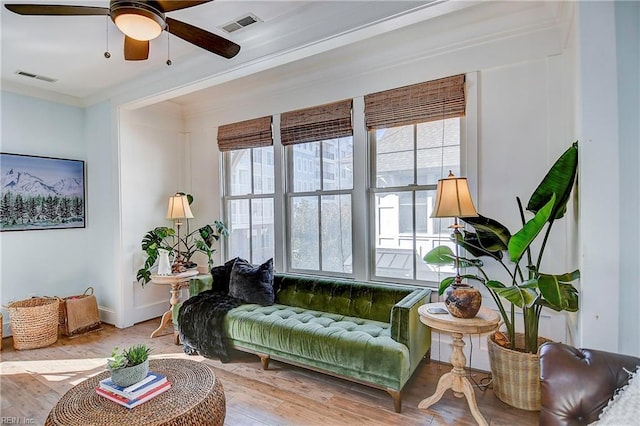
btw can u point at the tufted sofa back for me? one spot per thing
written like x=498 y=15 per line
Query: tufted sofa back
x=576 y=384
x=343 y=297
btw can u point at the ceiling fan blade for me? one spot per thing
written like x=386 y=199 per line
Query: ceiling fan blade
x=201 y=38
x=135 y=50
x=53 y=9
x=171 y=5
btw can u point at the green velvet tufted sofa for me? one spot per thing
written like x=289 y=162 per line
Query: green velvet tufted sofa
x=364 y=332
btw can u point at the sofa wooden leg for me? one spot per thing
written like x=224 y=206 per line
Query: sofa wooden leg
x=264 y=359
x=397 y=399
x=176 y=338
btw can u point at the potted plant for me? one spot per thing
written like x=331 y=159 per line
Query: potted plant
x=529 y=290
x=129 y=366
x=200 y=240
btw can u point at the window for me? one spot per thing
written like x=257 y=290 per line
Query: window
x=249 y=206
x=414 y=136
x=341 y=201
x=249 y=188
x=320 y=208
x=408 y=161
x=318 y=141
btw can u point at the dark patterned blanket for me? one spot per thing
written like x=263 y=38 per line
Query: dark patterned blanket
x=200 y=324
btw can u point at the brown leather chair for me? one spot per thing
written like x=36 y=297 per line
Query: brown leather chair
x=576 y=384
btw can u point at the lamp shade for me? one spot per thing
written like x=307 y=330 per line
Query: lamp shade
x=179 y=208
x=453 y=198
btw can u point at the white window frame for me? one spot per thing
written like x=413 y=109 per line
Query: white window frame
x=227 y=197
x=289 y=194
x=411 y=190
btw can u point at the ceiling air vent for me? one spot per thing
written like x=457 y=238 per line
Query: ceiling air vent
x=36 y=76
x=241 y=23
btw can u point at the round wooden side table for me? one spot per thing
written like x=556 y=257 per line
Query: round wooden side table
x=484 y=322
x=177 y=282
x=196 y=397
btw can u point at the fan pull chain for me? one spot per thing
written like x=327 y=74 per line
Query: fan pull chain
x=168 y=48
x=106 y=52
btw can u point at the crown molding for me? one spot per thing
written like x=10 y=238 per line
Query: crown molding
x=36 y=92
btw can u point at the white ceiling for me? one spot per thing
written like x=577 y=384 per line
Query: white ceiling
x=70 y=49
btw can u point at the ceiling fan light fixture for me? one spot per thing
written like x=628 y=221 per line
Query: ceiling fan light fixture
x=142 y=21
x=138 y=26
x=138 y=20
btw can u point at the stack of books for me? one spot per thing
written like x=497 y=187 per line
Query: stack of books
x=132 y=396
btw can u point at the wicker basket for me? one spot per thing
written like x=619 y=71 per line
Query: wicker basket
x=34 y=322
x=516 y=375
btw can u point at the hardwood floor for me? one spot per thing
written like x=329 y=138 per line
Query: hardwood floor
x=31 y=382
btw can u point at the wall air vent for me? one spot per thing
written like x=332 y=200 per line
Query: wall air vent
x=36 y=76
x=240 y=23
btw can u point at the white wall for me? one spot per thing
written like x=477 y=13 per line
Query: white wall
x=152 y=168
x=104 y=210
x=524 y=122
x=608 y=122
x=203 y=181
x=627 y=15
x=49 y=262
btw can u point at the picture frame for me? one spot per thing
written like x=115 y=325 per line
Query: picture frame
x=41 y=193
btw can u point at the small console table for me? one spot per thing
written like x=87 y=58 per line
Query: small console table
x=484 y=322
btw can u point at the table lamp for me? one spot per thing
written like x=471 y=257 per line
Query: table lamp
x=179 y=209
x=453 y=199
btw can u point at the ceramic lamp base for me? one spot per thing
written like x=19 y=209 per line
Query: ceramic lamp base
x=463 y=301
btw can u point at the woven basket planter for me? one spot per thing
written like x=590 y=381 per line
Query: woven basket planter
x=34 y=322
x=516 y=375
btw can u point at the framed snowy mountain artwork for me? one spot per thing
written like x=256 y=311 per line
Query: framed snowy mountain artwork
x=41 y=193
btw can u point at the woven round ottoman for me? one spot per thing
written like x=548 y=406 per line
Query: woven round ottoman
x=196 y=397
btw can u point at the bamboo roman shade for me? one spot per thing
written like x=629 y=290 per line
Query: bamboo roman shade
x=245 y=134
x=317 y=123
x=418 y=103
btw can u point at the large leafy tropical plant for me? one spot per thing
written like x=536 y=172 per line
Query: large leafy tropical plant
x=529 y=289
x=200 y=240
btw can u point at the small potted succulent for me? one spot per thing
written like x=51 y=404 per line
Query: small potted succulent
x=129 y=366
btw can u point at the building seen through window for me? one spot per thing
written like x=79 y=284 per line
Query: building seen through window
x=408 y=162
x=249 y=203
x=320 y=211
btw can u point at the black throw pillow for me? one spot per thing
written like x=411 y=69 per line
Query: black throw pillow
x=253 y=284
x=221 y=275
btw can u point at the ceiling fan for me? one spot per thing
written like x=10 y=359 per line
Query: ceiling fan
x=141 y=21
